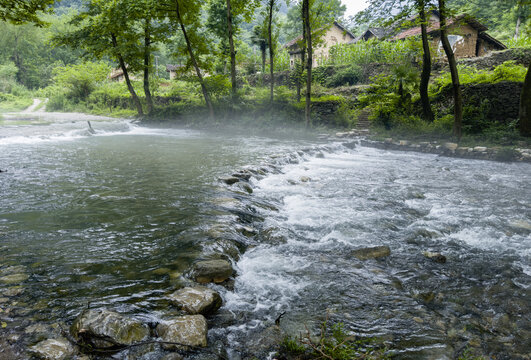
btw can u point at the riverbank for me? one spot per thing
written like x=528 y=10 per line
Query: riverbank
x=514 y=153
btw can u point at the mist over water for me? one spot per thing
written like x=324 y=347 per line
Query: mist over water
x=113 y=219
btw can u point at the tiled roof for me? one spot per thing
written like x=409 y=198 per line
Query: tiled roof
x=434 y=26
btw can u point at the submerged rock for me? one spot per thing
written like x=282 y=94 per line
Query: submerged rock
x=211 y=271
x=185 y=331
x=53 y=349
x=372 y=252
x=197 y=300
x=14 y=278
x=103 y=328
x=304 y=179
x=230 y=180
x=437 y=257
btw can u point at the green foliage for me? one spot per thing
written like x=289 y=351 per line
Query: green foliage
x=335 y=344
x=521 y=42
x=8 y=73
x=468 y=355
x=10 y=102
x=374 y=51
x=292 y=346
x=218 y=86
x=19 y=12
x=508 y=71
x=346 y=75
x=79 y=81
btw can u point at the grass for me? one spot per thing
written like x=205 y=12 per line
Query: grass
x=11 y=103
x=332 y=343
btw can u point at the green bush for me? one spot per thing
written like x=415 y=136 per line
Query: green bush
x=508 y=71
x=78 y=81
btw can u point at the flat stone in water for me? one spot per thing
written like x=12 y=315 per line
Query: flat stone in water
x=437 y=257
x=93 y=325
x=230 y=180
x=197 y=300
x=188 y=330
x=53 y=349
x=372 y=252
x=13 y=291
x=211 y=271
x=14 y=278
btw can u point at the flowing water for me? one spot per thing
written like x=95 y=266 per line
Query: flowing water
x=113 y=219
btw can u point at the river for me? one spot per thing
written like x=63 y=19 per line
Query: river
x=113 y=219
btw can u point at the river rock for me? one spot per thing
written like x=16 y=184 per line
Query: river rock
x=242 y=175
x=211 y=271
x=372 y=252
x=404 y=143
x=230 y=180
x=451 y=146
x=197 y=300
x=13 y=291
x=53 y=349
x=188 y=330
x=437 y=257
x=103 y=328
x=14 y=278
x=304 y=179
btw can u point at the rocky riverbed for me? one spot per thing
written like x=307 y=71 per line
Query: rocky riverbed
x=413 y=249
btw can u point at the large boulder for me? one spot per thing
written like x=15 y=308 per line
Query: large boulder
x=211 y=271
x=184 y=331
x=372 y=252
x=104 y=328
x=197 y=300
x=53 y=349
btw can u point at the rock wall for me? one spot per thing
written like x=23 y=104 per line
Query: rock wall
x=520 y=55
x=502 y=98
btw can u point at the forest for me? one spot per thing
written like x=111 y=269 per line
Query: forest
x=230 y=59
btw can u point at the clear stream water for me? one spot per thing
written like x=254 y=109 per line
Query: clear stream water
x=115 y=218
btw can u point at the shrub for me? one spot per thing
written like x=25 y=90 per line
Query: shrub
x=78 y=81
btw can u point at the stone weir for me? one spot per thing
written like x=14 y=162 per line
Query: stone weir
x=196 y=302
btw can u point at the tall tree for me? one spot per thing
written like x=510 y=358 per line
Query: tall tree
x=188 y=14
x=322 y=13
x=259 y=38
x=392 y=12
x=456 y=86
x=25 y=11
x=102 y=29
x=271 y=7
x=308 y=32
x=426 y=63
x=525 y=106
x=232 y=51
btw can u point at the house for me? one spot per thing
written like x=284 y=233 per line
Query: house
x=118 y=75
x=372 y=33
x=173 y=70
x=333 y=35
x=467 y=36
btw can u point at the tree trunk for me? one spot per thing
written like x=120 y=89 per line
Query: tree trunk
x=426 y=65
x=306 y=11
x=458 y=100
x=194 y=62
x=136 y=100
x=263 y=50
x=147 y=58
x=525 y=106
x=271 y=50
x=232 y=53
